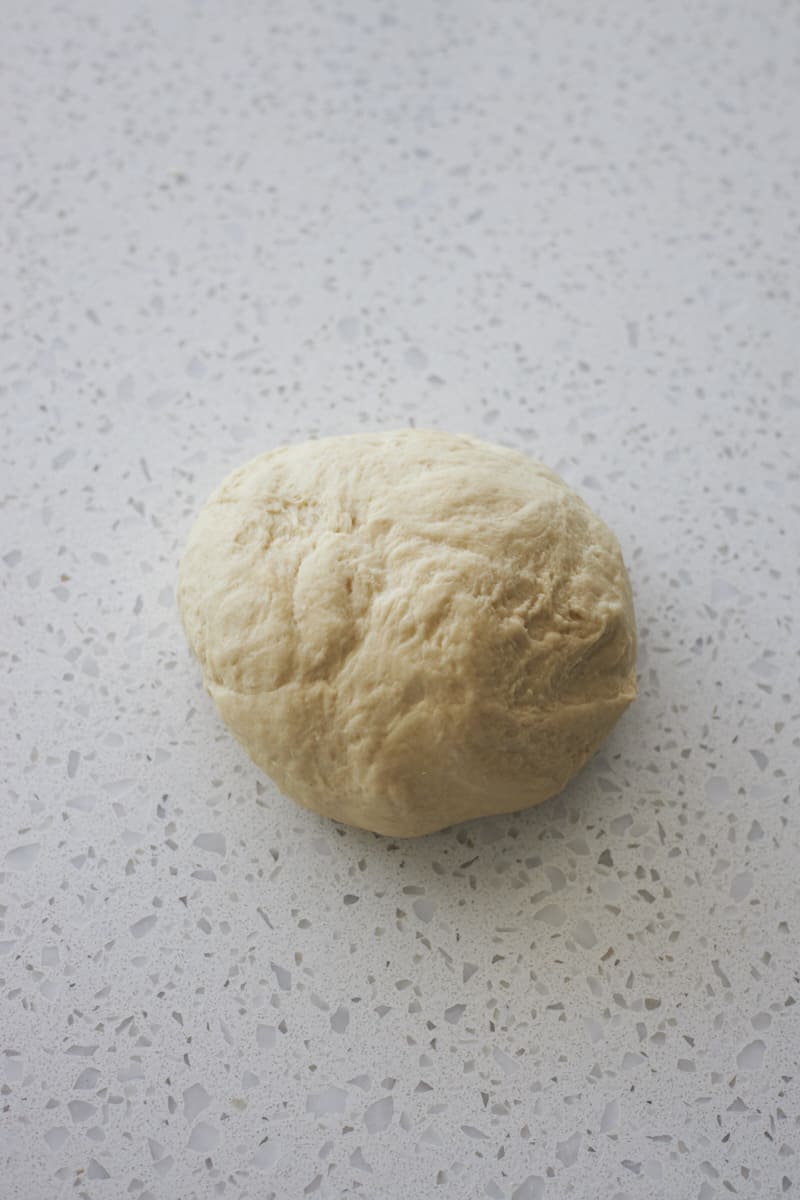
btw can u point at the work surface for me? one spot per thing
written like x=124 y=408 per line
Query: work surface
x=570 y=228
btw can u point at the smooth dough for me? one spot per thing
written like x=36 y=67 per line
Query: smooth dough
x=409 y=629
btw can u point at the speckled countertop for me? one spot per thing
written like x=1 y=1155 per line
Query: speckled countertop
x=571 y=228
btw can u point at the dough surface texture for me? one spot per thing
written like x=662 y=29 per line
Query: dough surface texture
x=406 y=630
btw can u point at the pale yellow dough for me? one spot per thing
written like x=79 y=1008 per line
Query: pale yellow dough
x=410 y=629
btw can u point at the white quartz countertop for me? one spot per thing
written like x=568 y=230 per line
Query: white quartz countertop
x=569 y=227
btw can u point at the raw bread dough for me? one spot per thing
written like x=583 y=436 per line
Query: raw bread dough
x=409 y=629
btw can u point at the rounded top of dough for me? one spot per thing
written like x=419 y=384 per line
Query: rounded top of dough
x=409 y=629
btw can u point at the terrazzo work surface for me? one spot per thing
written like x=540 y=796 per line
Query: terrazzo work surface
x=569 y=228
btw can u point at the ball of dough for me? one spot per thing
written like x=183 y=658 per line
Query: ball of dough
x=409 y=629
